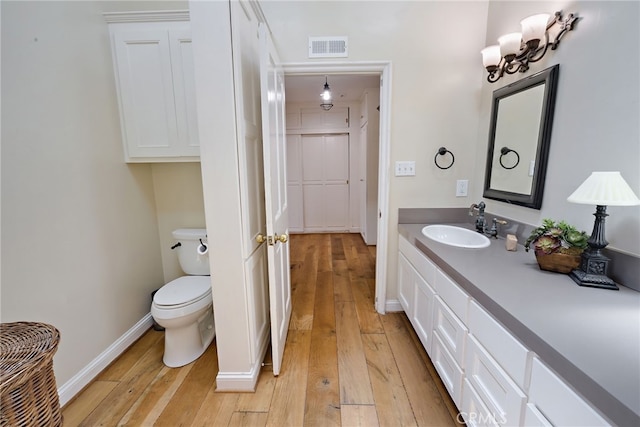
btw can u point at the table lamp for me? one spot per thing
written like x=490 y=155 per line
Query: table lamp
x=601 y=189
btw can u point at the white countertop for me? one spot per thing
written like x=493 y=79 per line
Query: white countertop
x=589 y=336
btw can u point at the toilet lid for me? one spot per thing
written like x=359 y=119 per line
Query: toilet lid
x=182 y=290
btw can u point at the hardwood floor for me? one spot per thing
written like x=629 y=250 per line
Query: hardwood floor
x=344 y=364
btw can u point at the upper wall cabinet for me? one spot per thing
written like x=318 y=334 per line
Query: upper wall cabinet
x=153 y=65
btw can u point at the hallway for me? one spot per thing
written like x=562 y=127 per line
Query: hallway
x=343 y=364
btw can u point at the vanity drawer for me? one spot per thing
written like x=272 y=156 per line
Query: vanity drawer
x=455 y=297
x=450 y=372
x=533 y=417
x=552 y=399
x=496 y=389
x=510 y=354
x=451 y=330
x=473 y=410
x=420 y=262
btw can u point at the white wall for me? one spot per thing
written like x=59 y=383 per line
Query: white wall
x=80 y=240
x=597 y=108
x=179 y=204
x=440 y=97
x=437 y=74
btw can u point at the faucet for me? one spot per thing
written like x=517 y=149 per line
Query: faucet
x=481 y=225
x=480 y=219
x=493 y=232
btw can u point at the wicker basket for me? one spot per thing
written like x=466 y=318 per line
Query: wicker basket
x=28 y=392
x=560 y=263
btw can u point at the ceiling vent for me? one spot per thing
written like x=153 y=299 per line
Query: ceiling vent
x=328 y=47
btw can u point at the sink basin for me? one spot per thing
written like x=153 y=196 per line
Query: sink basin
x=456 y=236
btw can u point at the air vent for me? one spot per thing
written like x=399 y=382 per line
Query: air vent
x=328 y=47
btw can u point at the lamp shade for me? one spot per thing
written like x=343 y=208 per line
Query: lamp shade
x=604 y=189
x=491 y=56
x=534 y=27
x=510 y=43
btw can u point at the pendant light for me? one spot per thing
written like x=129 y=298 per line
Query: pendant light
x=326 y=96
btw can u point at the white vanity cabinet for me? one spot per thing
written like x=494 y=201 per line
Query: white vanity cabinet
x=492 y=377
x=153 y=67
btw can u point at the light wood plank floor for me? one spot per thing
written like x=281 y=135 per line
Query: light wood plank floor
x=343 y=364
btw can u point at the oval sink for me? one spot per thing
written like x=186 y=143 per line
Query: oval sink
x=456 y=236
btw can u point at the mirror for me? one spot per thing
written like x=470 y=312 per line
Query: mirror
x=519 y=136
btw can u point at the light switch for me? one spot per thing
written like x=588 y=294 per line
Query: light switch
x=405 y=168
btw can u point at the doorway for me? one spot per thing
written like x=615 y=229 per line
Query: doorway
x=381 y=70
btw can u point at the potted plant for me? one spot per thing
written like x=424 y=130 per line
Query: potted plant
x=557 y=245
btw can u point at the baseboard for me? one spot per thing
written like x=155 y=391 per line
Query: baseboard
x=79 y=381
x=238 y=381
x=393 y=306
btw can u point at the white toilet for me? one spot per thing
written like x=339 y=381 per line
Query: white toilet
x=184 y=306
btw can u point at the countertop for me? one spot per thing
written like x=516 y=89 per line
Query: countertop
x=589 y=336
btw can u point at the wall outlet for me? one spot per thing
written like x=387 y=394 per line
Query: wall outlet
x=406 y=168
x=462 y=187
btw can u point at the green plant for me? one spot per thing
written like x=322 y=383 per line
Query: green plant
x=556 y=237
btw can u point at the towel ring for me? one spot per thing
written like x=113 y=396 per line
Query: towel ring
x=503 y=152
x=441 y=152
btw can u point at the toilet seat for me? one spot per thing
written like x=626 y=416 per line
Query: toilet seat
x=182 y=297
x=182 y=291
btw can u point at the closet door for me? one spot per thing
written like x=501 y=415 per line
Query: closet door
x=325 y=182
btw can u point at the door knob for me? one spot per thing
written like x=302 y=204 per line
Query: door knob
x=261 y=238
x=282 y=238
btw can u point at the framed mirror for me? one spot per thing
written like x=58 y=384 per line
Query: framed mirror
x=519 y=136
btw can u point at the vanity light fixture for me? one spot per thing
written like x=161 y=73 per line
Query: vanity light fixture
x=601 y=189
x=326 y=96
x=516 y=50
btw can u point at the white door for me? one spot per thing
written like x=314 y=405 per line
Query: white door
x=362 y=189
x=275 y=186
x=325 y=182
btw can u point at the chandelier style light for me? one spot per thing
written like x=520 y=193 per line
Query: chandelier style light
x=516 y=50
x=326 y=96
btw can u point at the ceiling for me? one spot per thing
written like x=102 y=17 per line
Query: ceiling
x=344 y=87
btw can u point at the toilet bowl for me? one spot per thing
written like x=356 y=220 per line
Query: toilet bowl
x=184 y=306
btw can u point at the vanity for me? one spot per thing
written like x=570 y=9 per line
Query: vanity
x=515 y=345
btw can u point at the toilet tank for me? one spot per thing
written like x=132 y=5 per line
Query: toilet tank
x=192 y=255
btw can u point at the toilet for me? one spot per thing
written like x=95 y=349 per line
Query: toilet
x=184 y=306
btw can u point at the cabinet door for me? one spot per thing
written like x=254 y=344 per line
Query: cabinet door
x=325 y=182
x=147 y=103
x=362 y=182
x=184 y=91
x=364 y=109
x=422 y=318
x=405 y=285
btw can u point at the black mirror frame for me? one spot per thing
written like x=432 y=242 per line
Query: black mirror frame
x=548 y=77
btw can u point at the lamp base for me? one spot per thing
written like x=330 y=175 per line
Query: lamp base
x=593 y=280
